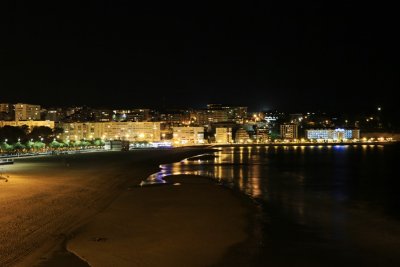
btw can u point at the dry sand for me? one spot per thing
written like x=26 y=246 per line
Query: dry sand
x=48 y=200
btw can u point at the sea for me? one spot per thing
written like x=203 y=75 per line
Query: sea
x=321 y=205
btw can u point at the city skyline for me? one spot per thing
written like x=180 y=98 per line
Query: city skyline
x=9 y=108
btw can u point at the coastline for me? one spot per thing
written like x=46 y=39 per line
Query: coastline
x=89 y=229
x=243 y=251
x=48 y=199
x=196 y=223
x=307 y=144
x=235 y=207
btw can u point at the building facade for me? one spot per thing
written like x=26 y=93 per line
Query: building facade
x=188 y=135
x=231 y=113
x=236 y=114
x=25 y=112
x=6 y=107
x=55 y=114
x=241 y=136
x=332 y=134
x=289 y=131
x=223 y=135
x=129 y=131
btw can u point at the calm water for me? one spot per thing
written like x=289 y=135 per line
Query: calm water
x=321 y=206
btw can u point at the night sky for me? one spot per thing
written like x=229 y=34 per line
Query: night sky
x=257 y=53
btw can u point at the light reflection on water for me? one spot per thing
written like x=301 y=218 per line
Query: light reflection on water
x=220 y=166
x=324 y=198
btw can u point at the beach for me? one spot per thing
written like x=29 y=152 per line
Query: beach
x=92 y=205
x=190 y=224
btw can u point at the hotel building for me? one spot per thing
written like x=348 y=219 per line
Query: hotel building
x=25 y=112
x=188 y=135
x=129 y=131
x=332 y=134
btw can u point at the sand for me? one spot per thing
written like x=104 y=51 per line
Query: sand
x=192 y=224
x=89 y=204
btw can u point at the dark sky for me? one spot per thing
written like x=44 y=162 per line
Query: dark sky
x=263 y=54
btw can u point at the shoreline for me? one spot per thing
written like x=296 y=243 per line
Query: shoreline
x=63 y=255
x=207 y=236
x=204 y=146
x=110 y=229
x=308 y=144
x=139 y=165
x=73 y=188
x=227 y=257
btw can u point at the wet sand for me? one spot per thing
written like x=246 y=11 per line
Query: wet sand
x=191 y=224
x=89 y=200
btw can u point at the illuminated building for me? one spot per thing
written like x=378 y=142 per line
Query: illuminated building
x=199 y=117
x=24 y=112
x=233 y=113
x=188 y=135
x=130 y=131
x=103 y=115
x=220 y=113
x=289 y=131
x=176 y=117
x=241 y=136
x=206 y=117
x=332 y=134
x=216 y=115
x=139 y=115
x=6 y=108
x=7 y=112
x=54 y=114
x=270 y=119
x=237 y=114
x=223 y=135
x=296 y=118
